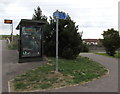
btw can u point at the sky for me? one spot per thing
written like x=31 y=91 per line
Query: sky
x=92 y=16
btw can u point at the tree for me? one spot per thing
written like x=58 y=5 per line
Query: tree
x=111 y=41
x=69 y=39
x=84 y=47
x=38 y=15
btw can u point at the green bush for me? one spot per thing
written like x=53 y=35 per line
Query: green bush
x=68 y=36
x=111 y=41
x=69 y=39
x=13 y=45
x=68 y=53
x=84 y=48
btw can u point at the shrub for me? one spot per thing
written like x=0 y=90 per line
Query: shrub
x=111 y=41
x=69 y=39
x=84 y=48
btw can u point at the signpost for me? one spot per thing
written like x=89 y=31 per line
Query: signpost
x=119 y=17
x=6 y=21
x=58 y=15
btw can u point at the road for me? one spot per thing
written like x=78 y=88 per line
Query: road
x=10 y=66
x=104 y=84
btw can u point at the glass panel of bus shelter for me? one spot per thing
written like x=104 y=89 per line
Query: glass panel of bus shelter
x=31 y=41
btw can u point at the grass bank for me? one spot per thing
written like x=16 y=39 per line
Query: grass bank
x=117 y=55
x=13 y=46
x=71 y=72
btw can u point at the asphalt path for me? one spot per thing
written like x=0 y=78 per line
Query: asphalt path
x=107 y=83
x=10 y=66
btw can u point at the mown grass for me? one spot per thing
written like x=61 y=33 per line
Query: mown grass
x=117 y=55
x=13 y=45
x=71 y=72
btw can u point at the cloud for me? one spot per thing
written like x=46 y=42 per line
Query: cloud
x=90 y=15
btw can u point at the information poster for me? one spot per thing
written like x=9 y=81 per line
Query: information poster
x=31 y=41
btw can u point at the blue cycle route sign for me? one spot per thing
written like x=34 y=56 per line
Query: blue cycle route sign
x=61 y=15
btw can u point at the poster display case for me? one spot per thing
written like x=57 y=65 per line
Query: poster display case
x=30 y=41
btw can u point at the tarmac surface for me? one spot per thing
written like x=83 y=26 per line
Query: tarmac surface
x=104 y=84
x=11 y=68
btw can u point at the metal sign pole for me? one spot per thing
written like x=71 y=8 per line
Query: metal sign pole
x=57 y=19
x=119 y=17
x=12 y=33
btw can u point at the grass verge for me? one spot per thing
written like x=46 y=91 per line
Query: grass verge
x=117 y=55
x=13 y=45
x=71 y=72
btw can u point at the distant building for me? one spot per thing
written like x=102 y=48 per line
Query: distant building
x=91 y=41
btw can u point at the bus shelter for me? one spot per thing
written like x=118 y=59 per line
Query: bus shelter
x=30 y=40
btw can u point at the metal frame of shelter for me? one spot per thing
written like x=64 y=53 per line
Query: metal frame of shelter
x=30 y=40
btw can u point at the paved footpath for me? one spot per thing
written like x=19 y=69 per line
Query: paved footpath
x=10 y=66
x=10 y=69
x=104 y=84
